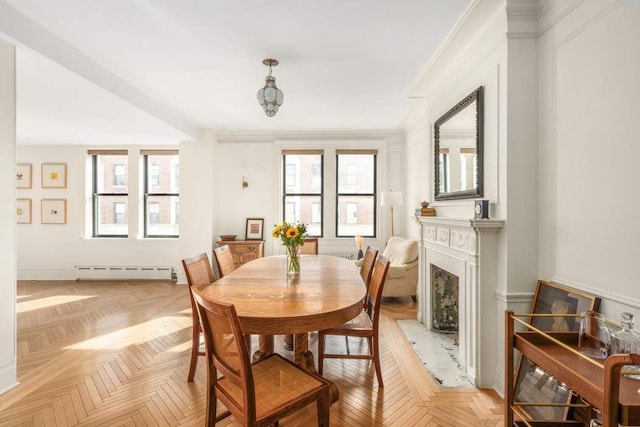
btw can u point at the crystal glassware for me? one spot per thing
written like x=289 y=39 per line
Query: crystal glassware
x=595 y=338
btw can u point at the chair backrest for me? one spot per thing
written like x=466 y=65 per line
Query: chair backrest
x=401 y=251
x=366 y=268
x=198 y=270
x=374 y=294
x=227 y=351
x=224 y=260
x=310 y=246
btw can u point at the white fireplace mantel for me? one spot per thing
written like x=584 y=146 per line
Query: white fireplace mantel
x=467 y=248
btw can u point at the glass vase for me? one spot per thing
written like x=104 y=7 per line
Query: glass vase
x=293 y=260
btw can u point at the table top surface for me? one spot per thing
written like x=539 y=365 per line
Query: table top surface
x=327 y=292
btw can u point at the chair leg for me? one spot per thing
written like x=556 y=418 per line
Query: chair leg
x=346 y=342
x=195 y=349
x=322 y=405
x=320 y=352
x=414 y=298
x=376 y=361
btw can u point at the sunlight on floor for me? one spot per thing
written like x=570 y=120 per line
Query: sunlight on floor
x=24 y=306
x=137 y=334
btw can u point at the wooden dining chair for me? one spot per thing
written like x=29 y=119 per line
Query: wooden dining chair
x=310 y=246
x=257 y=394
x=199 y=274
x=224 y=260
x=366 y=268
x=365 y=325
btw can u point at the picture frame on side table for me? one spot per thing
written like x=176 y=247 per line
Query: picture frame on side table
x=24 y=175
x=23 y=211
x=255 y=229
x=53 y=211
x=54 y=175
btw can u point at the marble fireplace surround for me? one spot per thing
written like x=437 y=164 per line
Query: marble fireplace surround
x=467 y=248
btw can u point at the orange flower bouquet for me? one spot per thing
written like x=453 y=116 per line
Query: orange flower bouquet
x=292 y=237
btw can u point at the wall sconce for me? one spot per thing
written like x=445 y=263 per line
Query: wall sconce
x=245 y=184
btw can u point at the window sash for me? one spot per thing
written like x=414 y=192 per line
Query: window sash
x=346 y=180
x=153 y=216
x=98 y=226
x=298 y=205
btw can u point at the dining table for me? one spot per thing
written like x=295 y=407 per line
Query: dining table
x=327 y=292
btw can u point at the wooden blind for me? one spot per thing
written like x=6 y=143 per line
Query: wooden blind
x=468 y=150
x=108 y=152
x=355 y=151
x=309 y=152
x=172 y=152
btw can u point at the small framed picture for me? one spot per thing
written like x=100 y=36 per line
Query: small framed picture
x=553 y=298
x=53 y=211
x=54 y=175
x=23 y=211
x=254 y=228
x=533 y=385
x=24 y=174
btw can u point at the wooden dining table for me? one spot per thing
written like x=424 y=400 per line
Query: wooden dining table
x=327 y=292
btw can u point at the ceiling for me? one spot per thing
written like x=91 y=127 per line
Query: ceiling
x=155 y=71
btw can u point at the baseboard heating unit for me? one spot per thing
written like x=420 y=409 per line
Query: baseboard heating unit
x=87 y=272
x=346 y=256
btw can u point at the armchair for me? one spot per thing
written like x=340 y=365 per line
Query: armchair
x=402 y=277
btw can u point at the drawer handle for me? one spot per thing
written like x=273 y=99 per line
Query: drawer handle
x=251 y=248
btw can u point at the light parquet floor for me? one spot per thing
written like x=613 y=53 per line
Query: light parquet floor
x=117 y=354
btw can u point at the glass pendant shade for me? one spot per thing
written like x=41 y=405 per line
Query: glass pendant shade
x=270 y=97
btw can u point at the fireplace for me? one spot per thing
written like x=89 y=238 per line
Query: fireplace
x=466 y=249
x=444 y=300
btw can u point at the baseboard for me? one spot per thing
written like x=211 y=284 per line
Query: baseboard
x=8 y=376
x=46 y=274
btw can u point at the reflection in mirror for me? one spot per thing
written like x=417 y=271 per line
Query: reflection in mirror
x=458 y=150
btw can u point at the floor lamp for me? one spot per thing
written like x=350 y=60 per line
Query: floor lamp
x=391 y=199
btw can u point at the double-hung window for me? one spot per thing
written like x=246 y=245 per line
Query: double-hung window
x=161 y=193
x=356 y=193
x=303 y=188
x=109 y=193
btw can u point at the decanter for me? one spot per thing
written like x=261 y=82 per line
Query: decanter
x=626 y=341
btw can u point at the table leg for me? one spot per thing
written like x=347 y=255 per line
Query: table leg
x=265 y=347
x=303 y=357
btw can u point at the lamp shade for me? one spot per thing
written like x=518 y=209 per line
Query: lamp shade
x=391 y=198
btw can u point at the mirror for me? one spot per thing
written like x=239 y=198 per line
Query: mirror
x=458 y=150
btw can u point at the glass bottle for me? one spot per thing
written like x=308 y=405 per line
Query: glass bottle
x=625 y=341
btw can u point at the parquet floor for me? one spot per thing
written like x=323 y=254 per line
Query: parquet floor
x=117 y=354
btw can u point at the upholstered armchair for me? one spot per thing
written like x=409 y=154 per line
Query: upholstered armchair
x=402 y=277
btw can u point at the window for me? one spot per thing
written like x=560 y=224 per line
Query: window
x=119 y=213
x=161 y=193
x=303 y=189
x=356 y=193
x=109 y=193
x=119 y=175
x=155 y=175
x=154 y=213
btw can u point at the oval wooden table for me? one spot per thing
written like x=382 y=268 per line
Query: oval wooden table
x=327 y=292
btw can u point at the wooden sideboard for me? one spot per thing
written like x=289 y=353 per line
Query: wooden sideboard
x=243 y=251
x=600 y=384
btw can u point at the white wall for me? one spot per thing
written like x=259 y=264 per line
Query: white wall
x=589 y=150
x=7 y=218
x=50 y=252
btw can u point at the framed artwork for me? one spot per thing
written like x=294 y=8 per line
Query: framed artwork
x=54 y=175
x=533 y=385
x=255 y=228
x=553 y=298
x=24 y=174
x=23 y=211
x=53 y=211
